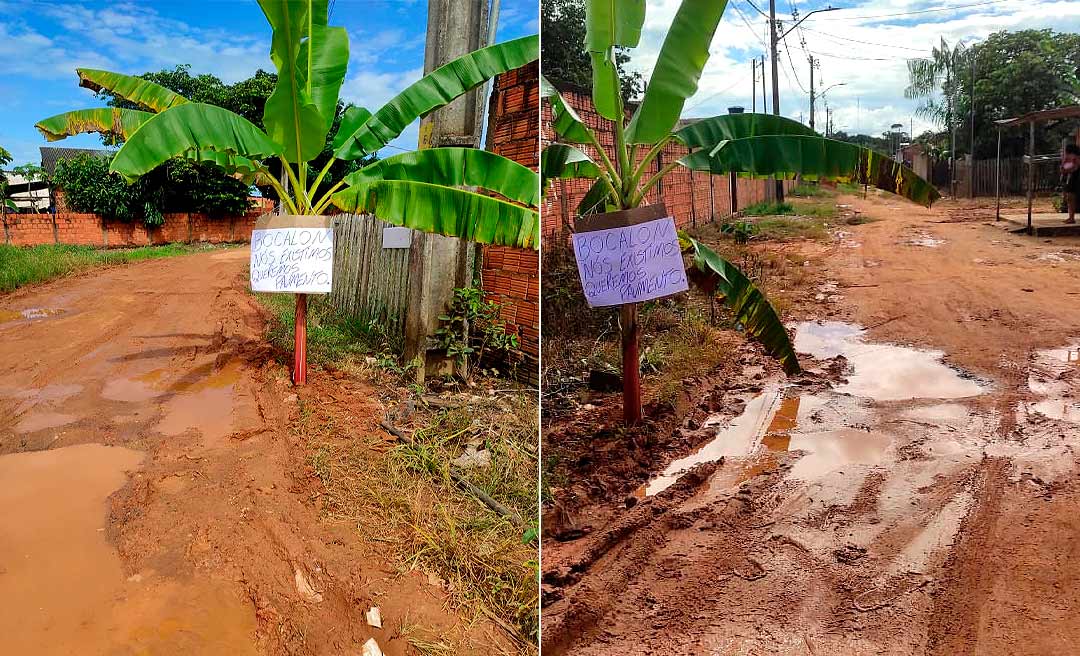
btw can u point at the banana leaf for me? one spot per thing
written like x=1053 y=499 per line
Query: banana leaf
x=562 y=161
x=597 y=199
x=435 y=90
x=715 y=275
x=708 y=132
x=445 y=211
x=611 y=23
x=606 y=89
x=812 y=157
x=351 y=121
x=307 y=56
x=142 y=92
x=190 y=127
x=115 y=121
x=564 y=120
x=678 y=68
x=456 y=167
x=228 y=161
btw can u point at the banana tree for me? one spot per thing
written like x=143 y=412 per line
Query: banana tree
x=746 y=144
x=457 y=192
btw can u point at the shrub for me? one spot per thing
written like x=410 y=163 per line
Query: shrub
x=176 y=186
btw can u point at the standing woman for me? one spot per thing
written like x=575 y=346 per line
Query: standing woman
x=1070 y=171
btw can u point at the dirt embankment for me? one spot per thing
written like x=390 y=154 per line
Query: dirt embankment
x=913 y=493
x=145 y=432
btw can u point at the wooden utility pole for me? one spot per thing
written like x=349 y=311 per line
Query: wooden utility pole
x=971 y=161
x=438 y=264
x=764 y=87
x=811 y=91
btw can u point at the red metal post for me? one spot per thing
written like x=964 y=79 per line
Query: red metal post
x=631 y=366
x=300 y=334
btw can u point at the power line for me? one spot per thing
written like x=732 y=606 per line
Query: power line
x=749 y=26
x=921 y=11
x=791 y=63
x=836 y=56
x=867 y=43
x=716 y=93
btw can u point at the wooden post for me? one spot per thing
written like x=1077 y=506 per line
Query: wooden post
x=631 y=367
x=300 y=341
x=1030 y=173
x=628 y=326
x=997 y=180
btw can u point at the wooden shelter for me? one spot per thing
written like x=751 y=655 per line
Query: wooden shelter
x=1030 y=119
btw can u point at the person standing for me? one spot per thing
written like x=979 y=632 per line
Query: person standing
x=1070 y=172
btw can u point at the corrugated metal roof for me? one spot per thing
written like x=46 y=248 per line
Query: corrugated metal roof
x=1072 y=111
x=50 y=155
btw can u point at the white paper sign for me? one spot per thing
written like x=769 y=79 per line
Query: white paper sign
x=631 y=264
x=292 y=260
x=395 y=237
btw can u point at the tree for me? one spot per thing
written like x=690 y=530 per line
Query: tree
x=755 y=144
x=1017 y=73
x=6 y=204
x=178 y=185
x=425 y=190
x=565 y=59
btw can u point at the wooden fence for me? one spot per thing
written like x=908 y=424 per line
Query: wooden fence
x=1013 y=177
x=371 y=283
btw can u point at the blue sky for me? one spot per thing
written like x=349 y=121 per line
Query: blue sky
x=42 y=42
x=865 y=46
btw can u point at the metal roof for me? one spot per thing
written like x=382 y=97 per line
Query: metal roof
x=1058 y=113
x=50 y=155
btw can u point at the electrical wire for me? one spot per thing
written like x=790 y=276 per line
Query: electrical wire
x=706 y=99
x=749 y=26
x=836 y=56
x=866 y=43
x=921 y=11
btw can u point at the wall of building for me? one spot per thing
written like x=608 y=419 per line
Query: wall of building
x=93 y=230
x=690 y=197
x=511 y=276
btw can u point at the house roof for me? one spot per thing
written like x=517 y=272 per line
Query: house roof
x=1057 y=113
x=50 y=155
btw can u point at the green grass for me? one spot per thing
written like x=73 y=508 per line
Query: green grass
x=20 y=266
x=767 y=208
x=793 y=227
x=805 y=190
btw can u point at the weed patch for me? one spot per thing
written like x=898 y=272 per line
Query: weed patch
x=20 y=266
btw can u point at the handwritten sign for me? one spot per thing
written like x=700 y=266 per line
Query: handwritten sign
x=292 y=254
x=630 y=264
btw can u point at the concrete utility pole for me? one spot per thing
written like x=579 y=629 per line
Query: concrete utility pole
x=753 y=92
x=775 y=84
x=438 y=264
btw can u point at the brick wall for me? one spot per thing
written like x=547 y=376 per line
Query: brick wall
x=511 y=276
x=691 y=197
x=92 y=230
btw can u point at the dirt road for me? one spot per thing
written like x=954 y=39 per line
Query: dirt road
x=152 y=498
x=916 y=492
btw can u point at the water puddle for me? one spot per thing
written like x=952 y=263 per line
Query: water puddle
x=205 y=404
x=139 y=388
x=62 y=587
x=30 y=314
x=829 y=430
x=1055 y=376
x=883 y=372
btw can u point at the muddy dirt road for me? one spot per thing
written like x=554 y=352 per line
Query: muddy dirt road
x=152 y=498
x=917 y=491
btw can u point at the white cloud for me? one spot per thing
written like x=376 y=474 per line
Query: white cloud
x=874 y=76
x=372 y=90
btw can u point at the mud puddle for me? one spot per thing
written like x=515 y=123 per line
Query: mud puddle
x=29 y=314
x=62 y=586
x=1055 y=378
x=830 y=431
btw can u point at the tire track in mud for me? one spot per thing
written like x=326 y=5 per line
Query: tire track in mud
x=965 y=586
